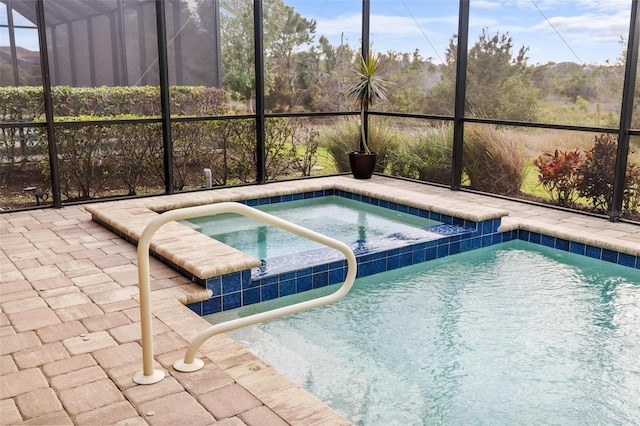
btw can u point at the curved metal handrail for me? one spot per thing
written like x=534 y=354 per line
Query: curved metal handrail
x=150 y=375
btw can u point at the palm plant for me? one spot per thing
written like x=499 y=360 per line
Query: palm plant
x=367 y=89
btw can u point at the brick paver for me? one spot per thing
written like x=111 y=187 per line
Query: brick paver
x=90 y=396
x=89 y=342
x=39 y=355
x=38 y=403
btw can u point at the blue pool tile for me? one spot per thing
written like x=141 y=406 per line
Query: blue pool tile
x=454 y=248
x=496 y=238
x=406 y=259
x=487 y=240
x=298 y=196
x=273 y=279
x=365 y=269
x=577 y=248
x=535 y=238
x=610 y=256
x=263 y=201
x=269 y=292
x=443 y=251
x=435 y=216
x=446 y=219
x=338 y=264
x=393 y=262
x=212 y=305
x=379 y=265
x=366 y=199
x=414 y=211
x=383 y=203
x=465 y=245
x=523 y=235
x=231 y=301
x=594 y=252
x=287 y=197
x=215 y=285
x=393 y=206
x=476 y=243
x=196 y=307
x=304 y=283
x=458 y=221
x=320 y=279
x=320 y=268
x=562 y=244
x=626 y=260
x=508 y=236
x=252 y=203
x=337 y=275
x=275 y=199
x=231 y=283
x=285 y=276
x=548 y=241
x=251 y=296
x=301 y=272
x=318 y=194
x=431 y=253
x=287 y=287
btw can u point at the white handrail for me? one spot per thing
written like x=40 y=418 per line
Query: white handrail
x=149 y=375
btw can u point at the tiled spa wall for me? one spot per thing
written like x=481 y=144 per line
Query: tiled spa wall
x=247 y=287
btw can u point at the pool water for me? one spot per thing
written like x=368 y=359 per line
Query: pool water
x=509 y=334
x=337 y=217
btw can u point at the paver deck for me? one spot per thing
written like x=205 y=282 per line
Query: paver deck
x=70 y=324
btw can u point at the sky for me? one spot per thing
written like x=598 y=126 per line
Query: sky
x=581 y=31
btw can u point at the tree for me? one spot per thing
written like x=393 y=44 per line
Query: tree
x=238 y=59
x=295 y=31
x=494 y=77
x=284 y=31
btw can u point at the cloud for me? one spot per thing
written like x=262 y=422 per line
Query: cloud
x=392 y=26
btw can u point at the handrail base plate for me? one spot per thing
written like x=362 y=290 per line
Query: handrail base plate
x=181 y=365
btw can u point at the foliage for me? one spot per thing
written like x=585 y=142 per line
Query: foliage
x=367 y=89
x=344 y=137
x=82 y=153
x=19 y=145
x=495 y=78
x=493 y=159
x=304 y=146
x=136 y=148
x=559 y=175
x=285 y=31
x=597 y=176
x=425 y=155
x=569 y=175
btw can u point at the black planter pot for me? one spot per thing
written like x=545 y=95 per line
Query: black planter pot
x=362 y=164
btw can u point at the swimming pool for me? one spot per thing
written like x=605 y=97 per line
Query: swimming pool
x=512 y=333
x=337 y=217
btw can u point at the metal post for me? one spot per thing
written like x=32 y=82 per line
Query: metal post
x=626 y=113
x=218 y=43
x=259 y=76
x=48 y=105
x=461 y=87
x=163 y=69
x=366 y=14
x=12 y=44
